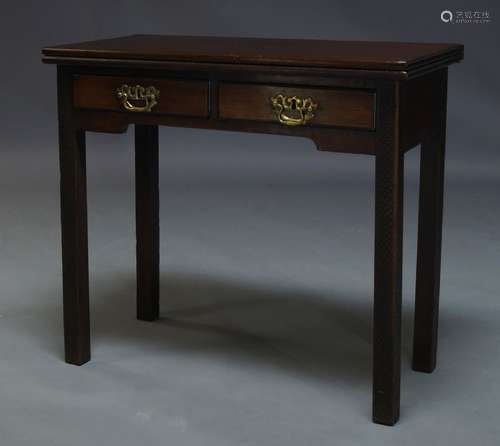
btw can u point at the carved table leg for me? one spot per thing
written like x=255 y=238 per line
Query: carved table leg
x=147 y=229
x=74 y=229
x=429 y=235
x=388 y=259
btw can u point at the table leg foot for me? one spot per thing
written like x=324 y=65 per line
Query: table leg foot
x=388 y=419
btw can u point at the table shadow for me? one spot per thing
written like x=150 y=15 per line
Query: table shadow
x=299 y=330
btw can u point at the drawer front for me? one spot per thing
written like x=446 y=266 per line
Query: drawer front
x=297 y=106
x=161 y=96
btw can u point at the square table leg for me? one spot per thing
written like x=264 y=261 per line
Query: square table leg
x=73 y=229
x=430 y=219
x=389 y=177
x=147 y=221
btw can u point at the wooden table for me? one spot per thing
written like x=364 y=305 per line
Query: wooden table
x=374 y=98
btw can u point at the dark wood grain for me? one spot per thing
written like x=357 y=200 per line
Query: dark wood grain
x=336 y=107
x=377 y=98
x=293 y=73
x=325 y=138
x=418 y=105
x=388 y=259
x=73 y=228
x=147 y=221
x=328 y=139
x=177 y=97
x=283 y=52
x=430 y=221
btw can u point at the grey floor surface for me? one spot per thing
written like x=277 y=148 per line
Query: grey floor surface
x=266 y=299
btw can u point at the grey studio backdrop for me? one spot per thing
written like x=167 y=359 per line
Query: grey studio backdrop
x=266 y=253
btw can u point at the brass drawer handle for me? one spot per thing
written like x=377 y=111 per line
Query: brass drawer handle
x=292 y=110
x=148 y=96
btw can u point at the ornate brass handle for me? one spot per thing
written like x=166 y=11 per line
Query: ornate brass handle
x=147 y=96
x=292 y=110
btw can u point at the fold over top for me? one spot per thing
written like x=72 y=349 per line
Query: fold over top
x=390 y=56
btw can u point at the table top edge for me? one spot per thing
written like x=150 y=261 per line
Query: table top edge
x=116 y=48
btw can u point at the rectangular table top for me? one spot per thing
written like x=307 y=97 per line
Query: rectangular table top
x=388 y=56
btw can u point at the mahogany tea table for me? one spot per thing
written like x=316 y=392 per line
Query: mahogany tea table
x=373 y=98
